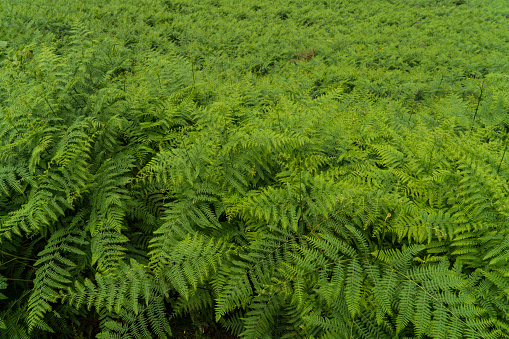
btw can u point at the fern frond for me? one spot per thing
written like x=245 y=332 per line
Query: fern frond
x=353 y=287
x=52 y=275
x=261 y=315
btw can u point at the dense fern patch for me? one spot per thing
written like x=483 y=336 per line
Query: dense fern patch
x=309 y=170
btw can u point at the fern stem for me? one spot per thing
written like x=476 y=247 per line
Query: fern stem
x=503 y=155
x=86 y=102
x=479 y=100
x=194 y=82
x=439 y=84
x=300 y=192
x=46 y=99
x=185 y=147
x=431 y=157
x=380 y=239
x=16 y=257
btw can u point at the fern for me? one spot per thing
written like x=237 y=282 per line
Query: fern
x=160 y=175
x=53 y=273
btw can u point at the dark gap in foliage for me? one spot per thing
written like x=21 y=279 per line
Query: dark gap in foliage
x=175 y=6
x=215 y=3
x=60 y=29
x=241 y=16
x=260 y=69
x=150 y=21
x=173 y=37
x=283 y=15
x=131 y=40
x=120 y=71
x=306 y=21
x=419 y=95
x=348 y=87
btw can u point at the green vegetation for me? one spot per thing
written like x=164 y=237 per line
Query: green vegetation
x=301 y=169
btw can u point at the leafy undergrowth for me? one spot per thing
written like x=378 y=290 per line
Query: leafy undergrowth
x=324 y=169
x=185 y=329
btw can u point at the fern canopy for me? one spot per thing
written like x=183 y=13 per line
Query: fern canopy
x=152 y=173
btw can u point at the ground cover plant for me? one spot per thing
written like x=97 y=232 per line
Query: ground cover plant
x=254 y=169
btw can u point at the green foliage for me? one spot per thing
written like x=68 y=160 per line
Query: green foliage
x=314 y=170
